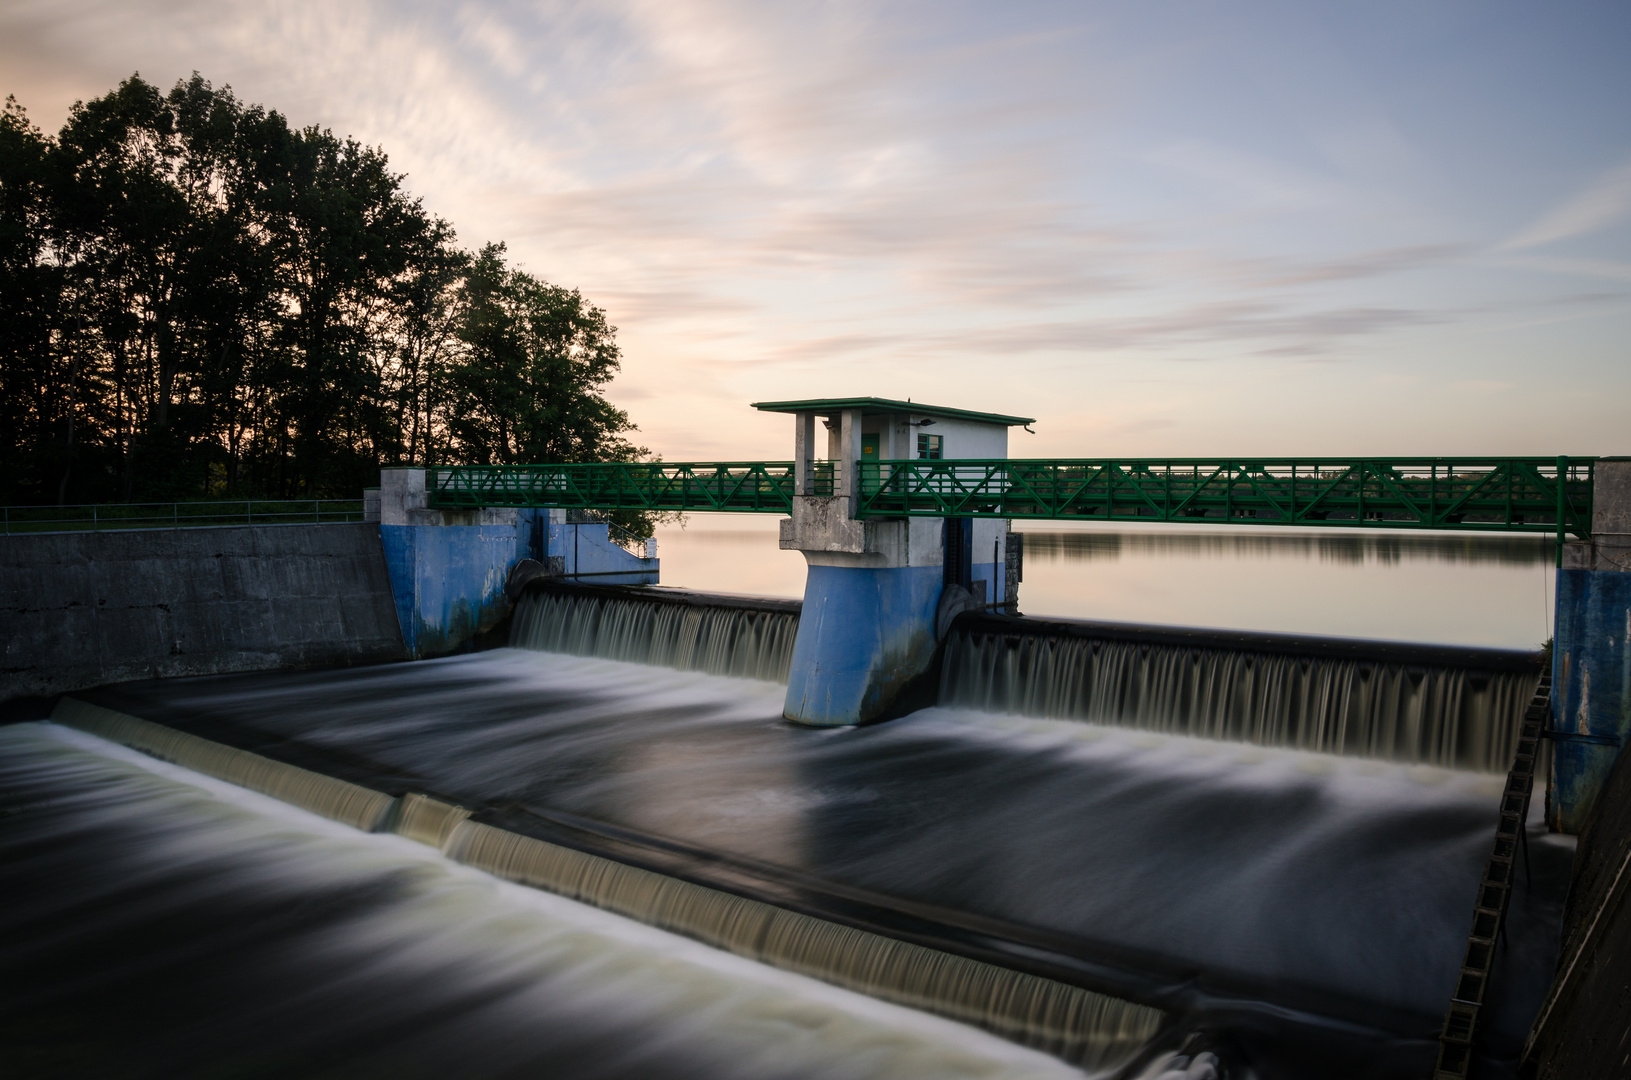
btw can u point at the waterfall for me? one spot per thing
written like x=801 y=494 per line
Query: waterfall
x=750 y=639
x=1456 y=708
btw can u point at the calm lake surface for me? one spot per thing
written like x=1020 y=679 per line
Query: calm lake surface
x=1454 y=588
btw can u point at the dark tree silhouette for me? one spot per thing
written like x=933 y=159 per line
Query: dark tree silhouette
x=198 y=301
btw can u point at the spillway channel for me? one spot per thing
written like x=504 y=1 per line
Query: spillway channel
x=1289 y=902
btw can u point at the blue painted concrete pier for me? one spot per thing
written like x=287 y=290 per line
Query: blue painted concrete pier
x=1591 y=653
x=876 y=589
x=449 y=568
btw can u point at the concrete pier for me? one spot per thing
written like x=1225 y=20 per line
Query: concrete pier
x=449 y=568
x=1591 y=657
x=876 y=590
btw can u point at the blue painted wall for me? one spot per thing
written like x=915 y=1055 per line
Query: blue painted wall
x=863 y=635
x=995 y=575
x=448 y=580
x=1591 y=688
x=588 y=554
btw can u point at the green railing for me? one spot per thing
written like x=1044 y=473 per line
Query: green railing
x=114 y=517
x=1493 y=494
x=1479 y=494
x=754 y=487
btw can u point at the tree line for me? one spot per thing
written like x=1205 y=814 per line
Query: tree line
x=199 y=301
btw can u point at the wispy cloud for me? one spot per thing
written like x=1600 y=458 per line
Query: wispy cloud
x=914 y=198
x=1605 y=202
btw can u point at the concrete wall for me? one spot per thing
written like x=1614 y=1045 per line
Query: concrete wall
x=82 y=609
x=959 y=438
x=863 y=635
x=448 y=581
x=1591 y=654
x=588 y=554
x=448 y=568
x=1584 y=1029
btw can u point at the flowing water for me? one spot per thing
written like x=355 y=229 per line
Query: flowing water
x=1297 y=914
x=746 y=641
x=1457 y=708
x=1148 y=853
x=161 y=924
x=1463 y=716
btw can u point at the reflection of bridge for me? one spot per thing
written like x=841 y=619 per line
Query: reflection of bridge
x=1522 y=494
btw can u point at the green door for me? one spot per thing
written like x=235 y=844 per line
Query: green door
x=869 y=447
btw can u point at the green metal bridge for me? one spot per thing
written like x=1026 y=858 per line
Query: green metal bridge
x=1486 y=494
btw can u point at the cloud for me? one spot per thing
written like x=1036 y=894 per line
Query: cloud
x=1229 y=329
x=1367 y=264
x=1602 y=204
x=771 y=200
x=1595 y=268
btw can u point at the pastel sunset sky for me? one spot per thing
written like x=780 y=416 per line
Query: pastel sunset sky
x=1161 y=228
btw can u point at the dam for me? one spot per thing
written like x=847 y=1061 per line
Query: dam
x=593 y=837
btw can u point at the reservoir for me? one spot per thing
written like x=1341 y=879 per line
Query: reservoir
x=1453 y=588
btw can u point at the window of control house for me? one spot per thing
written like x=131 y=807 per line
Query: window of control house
x=928 y=446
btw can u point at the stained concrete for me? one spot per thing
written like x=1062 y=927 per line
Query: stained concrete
x=1591 y=656
x=83 y=609
x=1584 y=1030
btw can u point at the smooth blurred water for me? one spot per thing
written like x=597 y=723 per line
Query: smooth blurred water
x=161 y=924
x=1299 y=915
x=1451 y=588
x=1287 y=902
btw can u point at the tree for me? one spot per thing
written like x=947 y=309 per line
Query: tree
x=529 y=386
x=31 y=290
x=198 y=300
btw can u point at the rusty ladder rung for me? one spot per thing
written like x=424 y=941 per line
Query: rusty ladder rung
x=1494 y=893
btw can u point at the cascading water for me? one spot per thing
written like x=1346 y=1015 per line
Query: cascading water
x=738 y=640
x=159 y=923
x=1396 y=708
x=1093 y=892
x=1057 y=888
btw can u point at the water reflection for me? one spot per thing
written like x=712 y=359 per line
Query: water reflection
x=1463 y=589
x=1334 y=547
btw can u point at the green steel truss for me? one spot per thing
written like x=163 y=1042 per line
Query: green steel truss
x=1479 y=494
x=752 y=487
x=1484 y=494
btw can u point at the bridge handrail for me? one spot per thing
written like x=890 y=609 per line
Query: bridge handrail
x=1494 y=493
x=205 y=514
x=738 y=486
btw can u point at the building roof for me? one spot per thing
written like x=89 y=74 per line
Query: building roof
x=871 y=406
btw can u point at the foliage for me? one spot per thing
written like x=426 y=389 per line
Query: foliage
x=197 y=300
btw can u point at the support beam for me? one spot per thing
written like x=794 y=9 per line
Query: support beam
x=804 y=447
x=849 y=446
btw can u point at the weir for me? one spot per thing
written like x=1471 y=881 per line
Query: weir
x=934 y=862
x=791 y=846
x=750 y=638
x=895 y=521
x=1455 y=708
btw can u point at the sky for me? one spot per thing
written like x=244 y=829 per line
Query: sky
x=1161 y=228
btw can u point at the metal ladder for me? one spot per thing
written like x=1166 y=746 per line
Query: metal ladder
x=1494 y=893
